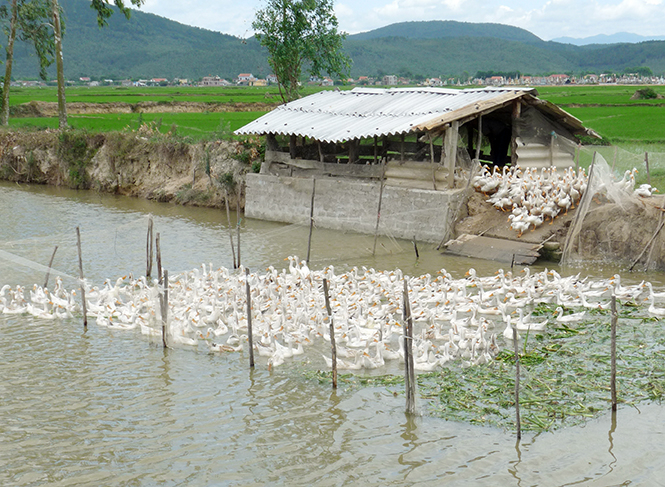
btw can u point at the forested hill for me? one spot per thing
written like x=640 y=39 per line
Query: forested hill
x=145 y=46
x=149 y=46
x=438 y=29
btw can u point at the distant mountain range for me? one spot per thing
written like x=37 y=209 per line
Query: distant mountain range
x=149 y=46
x=619 y=37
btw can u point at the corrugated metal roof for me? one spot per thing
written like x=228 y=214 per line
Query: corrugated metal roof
x=335 y=116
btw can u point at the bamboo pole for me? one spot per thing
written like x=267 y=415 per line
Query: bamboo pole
x=149 y=250
x=378 y=211
x=228 y=219
x=613 y=353
x=415 y=247
x=165 y=306
x=332 y=334
x=83 y=303
x=159 y=258
x=238 y=216
x=409 y=373
x=50 y=264
x=311 y=220
x=249 y=320
x=646 y=161
x=517 y=385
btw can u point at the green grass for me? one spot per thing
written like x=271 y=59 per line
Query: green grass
x=624 y=123
x=110 y=94
x=192 y=125
x=596 y=95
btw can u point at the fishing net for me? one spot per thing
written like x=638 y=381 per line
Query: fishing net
x=616 y=218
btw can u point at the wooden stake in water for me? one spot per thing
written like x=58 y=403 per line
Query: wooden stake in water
x=238 y=216
x=517 y=385
x=415 y=247
x=85 y=311
x=249 y=320
x=50 y=264
x=165 y=307
x=332 y=334
x=646 y=161
x=228 y=219
x=148 y=250
x=409 y=372
x=311 y=220
x=613 y=360
x=159 y=258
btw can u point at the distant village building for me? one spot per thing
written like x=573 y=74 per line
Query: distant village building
x=434 y=82
x=558 y=79
x=390 y=80
x=272 y=79
x=84 y=79
x=244 y=79
x=214 y=81
x=126 y=82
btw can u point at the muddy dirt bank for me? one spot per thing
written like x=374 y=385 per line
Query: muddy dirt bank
x=143 y=165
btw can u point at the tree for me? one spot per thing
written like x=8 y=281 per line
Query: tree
x=104 y=11
x=301 y=34
x=28 y=22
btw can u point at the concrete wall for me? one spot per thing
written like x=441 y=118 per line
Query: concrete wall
x=344 y=204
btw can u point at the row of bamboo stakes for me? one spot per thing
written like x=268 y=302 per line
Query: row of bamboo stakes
x=409 y=371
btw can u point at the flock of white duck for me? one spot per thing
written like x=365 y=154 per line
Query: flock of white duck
x=454 y=319
x=534 y=197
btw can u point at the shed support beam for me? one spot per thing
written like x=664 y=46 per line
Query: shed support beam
x=450 y=147
x=293 y=140
x=353 y=151
x=517 y=111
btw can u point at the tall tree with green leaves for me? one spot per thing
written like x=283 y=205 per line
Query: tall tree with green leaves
x=28 y=20
x=104 y=11
x=301 y=34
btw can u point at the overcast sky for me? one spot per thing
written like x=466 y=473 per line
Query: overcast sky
x=546 y=19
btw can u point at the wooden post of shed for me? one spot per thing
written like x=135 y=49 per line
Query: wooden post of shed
x=479 y=143
x=450 y=147
x=431 y=156
x=376 y=149
x=353 y=151
x=401 y=148
x=292 y=146
x=517 y=112
x=321 y=158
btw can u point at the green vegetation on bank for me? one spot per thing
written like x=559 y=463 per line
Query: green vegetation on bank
x=194 y=126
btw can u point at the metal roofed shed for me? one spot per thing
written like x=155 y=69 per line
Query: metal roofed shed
x=412 y=138
x=431 y=125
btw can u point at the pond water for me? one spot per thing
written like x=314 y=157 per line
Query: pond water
x=104 y=407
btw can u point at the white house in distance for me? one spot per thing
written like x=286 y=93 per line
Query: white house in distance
x=245 y=79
